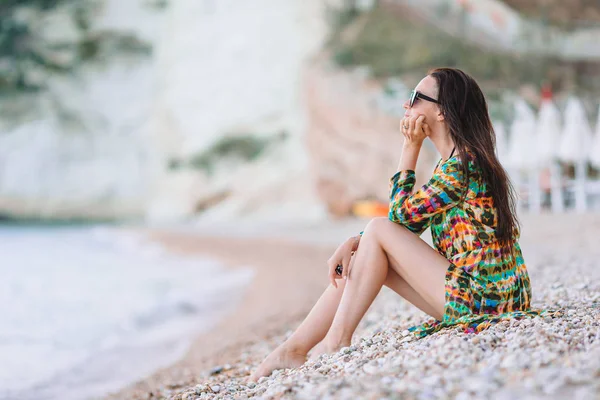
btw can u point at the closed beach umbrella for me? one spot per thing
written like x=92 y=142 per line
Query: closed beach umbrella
x=574 y=148
x=577 y=133
x=595 y=148
x=501 y=141
x=521 y=147
x=548 y=132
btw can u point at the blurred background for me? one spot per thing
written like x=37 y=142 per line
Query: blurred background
x=167 y=111
x=195 y=112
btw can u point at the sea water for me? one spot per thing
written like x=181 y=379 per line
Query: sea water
x=87 y=310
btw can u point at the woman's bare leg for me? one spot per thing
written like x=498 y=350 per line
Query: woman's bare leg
x=313 y=329
x=292 y=353
x=423 y=268
x=398 y=285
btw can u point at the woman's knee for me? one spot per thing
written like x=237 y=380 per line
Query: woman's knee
x=376 y=225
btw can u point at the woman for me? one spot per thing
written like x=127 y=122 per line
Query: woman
x=476 y=277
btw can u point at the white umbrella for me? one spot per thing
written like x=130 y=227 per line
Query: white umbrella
x=548 y=140
x=501 y=141
x=547 y=133
x=595 y=148
x=577 y=133
x=521 y=147
x=574 y=148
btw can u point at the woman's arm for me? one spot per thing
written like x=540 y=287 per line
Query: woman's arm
x=415 y=210
x=415 y=131
x=356 y=241
x=443 y=191
x=409 y=156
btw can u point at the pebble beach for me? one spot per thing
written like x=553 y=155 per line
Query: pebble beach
x=531 y=358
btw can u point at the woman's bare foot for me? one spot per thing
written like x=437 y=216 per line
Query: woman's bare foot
x=316 y=352
x=280 y=358
x=325 y=348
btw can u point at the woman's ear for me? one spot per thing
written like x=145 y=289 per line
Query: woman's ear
x=440 y=116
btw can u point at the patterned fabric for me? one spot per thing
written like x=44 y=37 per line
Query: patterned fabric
x=486 y=282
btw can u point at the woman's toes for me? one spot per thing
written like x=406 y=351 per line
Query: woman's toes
x=327 y=348
x=278 y=359
x=317 y=351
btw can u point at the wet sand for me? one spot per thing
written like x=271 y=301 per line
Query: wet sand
x=289 y=278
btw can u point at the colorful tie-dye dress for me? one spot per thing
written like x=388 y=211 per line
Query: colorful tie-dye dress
x=486 y=282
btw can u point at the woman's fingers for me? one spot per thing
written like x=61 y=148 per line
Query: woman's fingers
x=350 y=265
x=411 y=126
x=406 y=129
x=332 y=277
x=345 y=267
x=331 y=264
x=426 y=129
x=419 y=124
x=403 y=124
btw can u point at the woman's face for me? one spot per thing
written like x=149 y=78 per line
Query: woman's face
x=431 y=111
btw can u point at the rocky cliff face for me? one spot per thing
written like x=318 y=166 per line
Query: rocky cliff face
x=233 y=68
x=216 y=69
x=85 y=148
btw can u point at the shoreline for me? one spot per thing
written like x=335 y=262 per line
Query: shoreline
x=273 y=303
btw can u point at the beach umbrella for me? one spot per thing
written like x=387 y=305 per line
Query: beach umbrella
x=594 y=156
x=547 y=132
x=548 y=140
x=501 y=141
x=574 y=147
x=595 y=148
x=521 y=147
x=520 y=158
x=577 y=133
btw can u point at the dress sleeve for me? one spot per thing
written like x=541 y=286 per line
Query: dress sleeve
x=415 y=210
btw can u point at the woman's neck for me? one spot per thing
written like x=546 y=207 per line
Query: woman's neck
x=443 y=142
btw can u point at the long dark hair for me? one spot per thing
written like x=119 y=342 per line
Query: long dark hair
x=465 y=110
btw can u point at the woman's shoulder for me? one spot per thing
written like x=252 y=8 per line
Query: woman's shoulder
x=456 y=162
x=453 y=168
x=457 y=158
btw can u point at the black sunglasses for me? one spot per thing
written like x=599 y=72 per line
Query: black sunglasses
x=415 y=94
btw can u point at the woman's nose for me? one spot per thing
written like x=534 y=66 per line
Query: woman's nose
x=406 y=105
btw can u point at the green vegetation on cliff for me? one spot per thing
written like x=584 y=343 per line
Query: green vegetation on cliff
x=392 y=44
x=39 y=38
x=242 y=148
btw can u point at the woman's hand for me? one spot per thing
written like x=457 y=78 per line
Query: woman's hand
x=342 y=256
x=415 y=130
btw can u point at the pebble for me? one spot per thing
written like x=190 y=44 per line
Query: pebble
x=370 y=369
x=199 y=389
x=542 y=357
x=216 y=370
x=324 y=369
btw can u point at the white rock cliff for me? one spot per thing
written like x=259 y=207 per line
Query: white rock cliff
x=216 y=68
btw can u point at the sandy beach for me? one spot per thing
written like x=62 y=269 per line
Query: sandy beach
x=290 y=276
x=531 y=358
